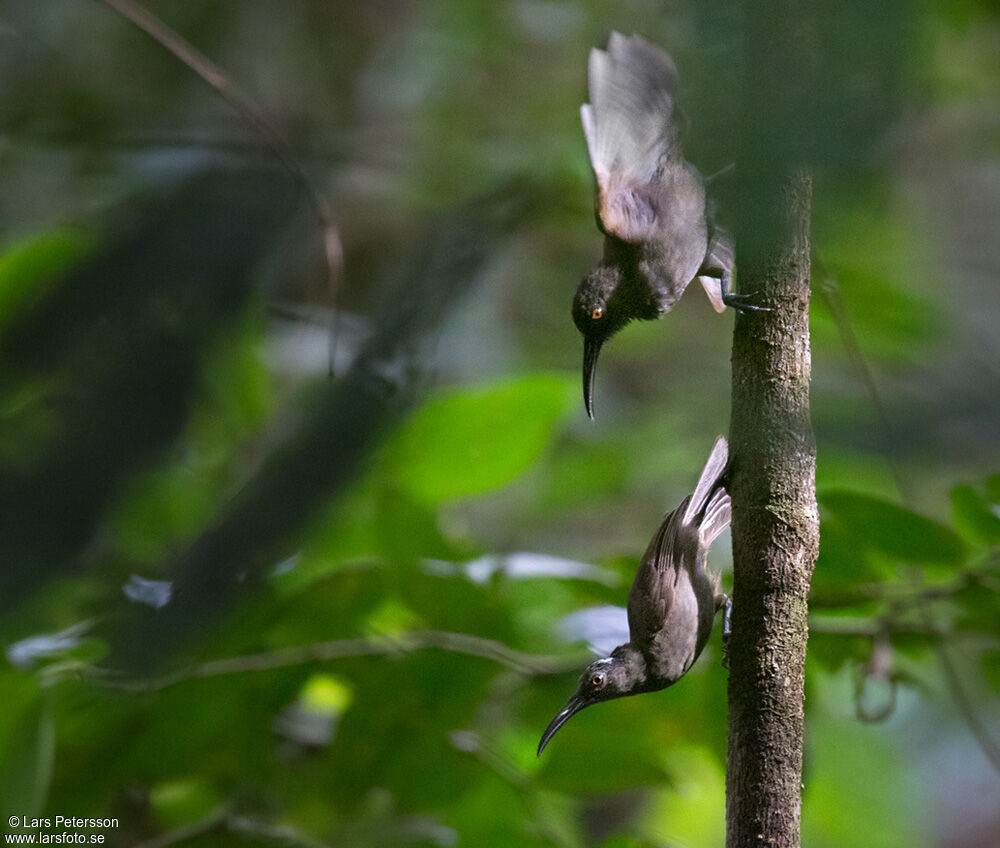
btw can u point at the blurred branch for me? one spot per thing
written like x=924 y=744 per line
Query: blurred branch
x=118 y=341
x=499 y=765
x=909 y=593
x=328 y=449
x=231 y=823
x=868 y=627
x=987 y=744
x=407 y=643
x=830 y=290
x=186 y=831
x=251 y=115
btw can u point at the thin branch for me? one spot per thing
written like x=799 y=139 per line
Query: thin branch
x=908 y=593
x=224 y=820
x=829 y=290
x=186 y=831
x=265 y=831
x=476 y=746
x=456 y=643
x=987 y=744
x=214 y=76
x=963 y=703
x=869 y=627
x=873 y=715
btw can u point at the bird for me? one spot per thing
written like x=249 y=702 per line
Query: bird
x=651 y=204
x=672 y=604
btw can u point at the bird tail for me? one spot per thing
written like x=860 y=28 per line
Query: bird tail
x=630 y=120
x=720 y=260
x=709 y=508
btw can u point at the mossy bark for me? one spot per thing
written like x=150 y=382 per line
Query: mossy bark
x=775 y=535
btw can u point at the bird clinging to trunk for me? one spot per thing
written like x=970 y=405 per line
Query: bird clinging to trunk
x=651 y=203
x=673 y=601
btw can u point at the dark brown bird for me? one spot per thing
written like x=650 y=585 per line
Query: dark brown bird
x=651 y=204
x=672 y=605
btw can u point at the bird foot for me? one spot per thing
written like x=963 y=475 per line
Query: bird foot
x=743 y=303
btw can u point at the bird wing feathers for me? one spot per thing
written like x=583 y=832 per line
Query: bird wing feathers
x=716 y=518
x=708 y=481
x=653 y=589
x=630 y=125
x=690 y=528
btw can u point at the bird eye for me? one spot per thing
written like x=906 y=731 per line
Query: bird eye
x=596 y=314
x=597 y=681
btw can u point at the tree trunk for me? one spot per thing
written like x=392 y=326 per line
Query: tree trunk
x=775 y=534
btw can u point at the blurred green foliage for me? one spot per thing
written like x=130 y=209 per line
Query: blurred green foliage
x=399 y=110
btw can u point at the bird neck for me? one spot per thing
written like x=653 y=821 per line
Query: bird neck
x=636 y=666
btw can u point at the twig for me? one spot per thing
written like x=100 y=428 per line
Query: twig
x=476 y=746
x=231 y=823
x=868 y=627
x=983 y=738
x=830 y=291
x=282 y=833
x=906 y=593
x=457 y=643
x=196 y=61
x=186 y=831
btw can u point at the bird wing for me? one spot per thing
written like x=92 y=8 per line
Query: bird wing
x=630 y=124
x=685 y=532
x=653 y=589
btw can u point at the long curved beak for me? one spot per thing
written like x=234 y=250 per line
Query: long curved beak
x=573 y=706
x=591 y=348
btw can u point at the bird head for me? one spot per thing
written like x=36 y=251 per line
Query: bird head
x=602 y=680
x=598 y=315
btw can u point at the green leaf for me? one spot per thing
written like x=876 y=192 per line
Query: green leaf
x=979 y=608
x=991 y=669
x=973 y=517
x=841 y=566
x=175 y=802
x=28 y=265
x=839 y=751
x=471 y=441
x=893 y=529
x=608 y=748
x=993 y=488
x=690 y=815
x=26 y=769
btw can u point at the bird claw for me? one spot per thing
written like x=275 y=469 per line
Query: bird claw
x=742 y=303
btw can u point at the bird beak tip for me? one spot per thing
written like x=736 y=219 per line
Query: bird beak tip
x=591 y=348
x=575 y=704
